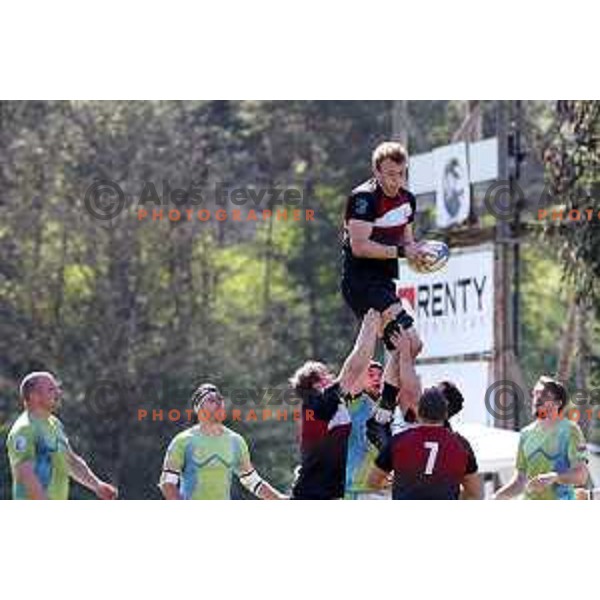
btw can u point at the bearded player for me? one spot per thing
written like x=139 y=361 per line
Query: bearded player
x=201 y=461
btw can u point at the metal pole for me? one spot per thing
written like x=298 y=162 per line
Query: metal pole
x=516 y=157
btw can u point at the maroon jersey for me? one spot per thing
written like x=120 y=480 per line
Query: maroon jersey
x=429 y=463
x=326 y=427
x=389 y=217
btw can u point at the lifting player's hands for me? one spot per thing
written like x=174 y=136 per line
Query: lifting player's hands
x=105 y=491
x=373 y=321
x=401 y=341
x=406 y=343
x=372 y=318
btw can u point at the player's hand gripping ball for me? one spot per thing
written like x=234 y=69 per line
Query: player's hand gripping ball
x=432 y=256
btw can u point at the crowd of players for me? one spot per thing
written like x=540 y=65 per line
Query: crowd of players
x=351 y=447
x=368 y=432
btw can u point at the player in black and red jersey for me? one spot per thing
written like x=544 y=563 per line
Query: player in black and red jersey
x=429 y=461
x=377 y=231
x=326 y=421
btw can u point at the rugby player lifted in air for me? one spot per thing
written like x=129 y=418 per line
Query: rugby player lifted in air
x=378 y=231
x=40 y=455
x=201 y=461
x=326 y=422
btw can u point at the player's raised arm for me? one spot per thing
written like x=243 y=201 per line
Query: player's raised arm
x=401 y=383
x=357 y=363
x=409 y=382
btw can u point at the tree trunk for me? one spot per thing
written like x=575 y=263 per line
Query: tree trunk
x=567 y=345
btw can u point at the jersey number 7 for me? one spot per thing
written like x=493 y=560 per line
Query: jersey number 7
x=433 y=448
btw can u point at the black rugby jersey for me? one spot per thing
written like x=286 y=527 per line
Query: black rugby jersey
x=389 y=217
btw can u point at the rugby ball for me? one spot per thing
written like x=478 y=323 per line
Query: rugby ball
x=433 y=256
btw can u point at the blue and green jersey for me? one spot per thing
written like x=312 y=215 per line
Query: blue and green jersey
x=43 y=443
x=361 y=452
x=206 y=464
x=543 y=450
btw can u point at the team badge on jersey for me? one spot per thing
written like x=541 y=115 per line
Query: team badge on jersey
x=20 y=443
x=361 y=206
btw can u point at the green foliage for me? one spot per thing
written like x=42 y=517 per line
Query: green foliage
x=544 y=300
x=573 y=168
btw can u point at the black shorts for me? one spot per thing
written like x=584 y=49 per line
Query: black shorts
x=364 y=294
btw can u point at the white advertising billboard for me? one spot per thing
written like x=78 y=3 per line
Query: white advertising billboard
x=453 y=308
x=472 y=378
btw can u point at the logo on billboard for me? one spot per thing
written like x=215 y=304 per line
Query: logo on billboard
x=463 y=296
x=454 y=308
x=452 y=188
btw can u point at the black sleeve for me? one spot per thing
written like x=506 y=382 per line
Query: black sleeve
x=413 y=206
x=324 y=405
x=472 y=466
x=361 y=207
x=384 y=460
x=389 y=396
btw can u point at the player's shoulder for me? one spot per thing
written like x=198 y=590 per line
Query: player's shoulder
x=408 y=194
x=459 y=436
x=183 y=436
x=55 y=422
x=407 y=432
x=232 y=434
x=367 y=189
x=571 y=426
x=461 y=440
x=239 y=441
x=335 y=395
x=334 y=390
x=528 y=429
x=22 y=424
